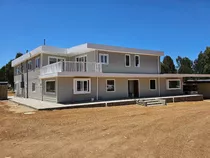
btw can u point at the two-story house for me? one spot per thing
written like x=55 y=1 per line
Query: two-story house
x=91 y=72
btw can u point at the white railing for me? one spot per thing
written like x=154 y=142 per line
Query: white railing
x=71 y=66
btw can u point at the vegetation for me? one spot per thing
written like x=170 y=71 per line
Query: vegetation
x=7 y=72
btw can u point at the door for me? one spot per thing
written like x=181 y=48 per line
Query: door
x=133 y=88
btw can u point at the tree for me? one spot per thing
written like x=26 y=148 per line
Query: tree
x=202 y=63
x=185 y=65
x=167 y=66
x=7 y=72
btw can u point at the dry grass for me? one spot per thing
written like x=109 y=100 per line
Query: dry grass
x=177 y=130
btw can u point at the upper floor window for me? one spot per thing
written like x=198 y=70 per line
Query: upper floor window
x=52 y=60
x=127 y=60
x=137 y=61
x=17 y=70
x=29 y=65
x=37 y=62
x=104 y=58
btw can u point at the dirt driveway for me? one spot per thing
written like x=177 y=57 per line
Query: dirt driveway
x=176 y=130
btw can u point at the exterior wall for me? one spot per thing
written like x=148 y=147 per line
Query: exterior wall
x=204 y=88
x=33 y=77
x=165 y=92
x=65 y=91
x=148 y=64
x=45 y=58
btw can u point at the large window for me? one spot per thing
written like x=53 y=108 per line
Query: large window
x=137 y=61
x=173 y=84
x=33 y=87
x=50 y=86
x=37 y=62
x=104 y=58
x=152 y=84
x=127 y=60
x=82 y=86
x=29 y=65
x=110 y=85
x=52 y=60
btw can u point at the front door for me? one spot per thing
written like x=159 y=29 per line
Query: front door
x=133 y=88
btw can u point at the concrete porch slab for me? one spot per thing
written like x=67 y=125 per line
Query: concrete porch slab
x=44 y=105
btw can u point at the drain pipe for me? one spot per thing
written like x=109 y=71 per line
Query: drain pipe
x=159 y=76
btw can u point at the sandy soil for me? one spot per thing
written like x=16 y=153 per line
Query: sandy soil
x=177 y=130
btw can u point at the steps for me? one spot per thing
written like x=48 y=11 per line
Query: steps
x=151 y=102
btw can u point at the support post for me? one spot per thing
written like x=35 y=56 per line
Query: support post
x=96 y=88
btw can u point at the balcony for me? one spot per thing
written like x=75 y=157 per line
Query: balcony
x=71 y=66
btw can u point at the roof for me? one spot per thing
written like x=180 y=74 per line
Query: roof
x=121 y=75
x=80 y=49
x=198 y=81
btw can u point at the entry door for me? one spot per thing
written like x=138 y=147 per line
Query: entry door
x=133 y=88
x=81 y=63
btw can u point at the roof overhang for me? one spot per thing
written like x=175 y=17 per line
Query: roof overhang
x=37 y=51
x=87 y=47
x=120 y=75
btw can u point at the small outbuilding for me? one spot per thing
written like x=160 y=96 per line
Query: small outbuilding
x=3 y=90
x=199 y=86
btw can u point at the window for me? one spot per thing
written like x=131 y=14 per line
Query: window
x=33 y=87
x=29 y=65
x=137 y=61
x=37 y=62
x=110 y=85
x=17 y=70
x=104 y=58
x=173 y=84
x=127 y=60
x=52 y=60
x=82 y=86
x=50 y=86
x=152 y=84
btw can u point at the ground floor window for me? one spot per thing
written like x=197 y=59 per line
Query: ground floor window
x=33 y=87
x=173 y=84
x=110 y=85
x=82 y=86
x=50 y=86
x=152 y=84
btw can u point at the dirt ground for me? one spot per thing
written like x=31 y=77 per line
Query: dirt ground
x=177 y=130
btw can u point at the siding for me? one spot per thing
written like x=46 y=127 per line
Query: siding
x=148 y=64
x=166 y=92
x=204 y=88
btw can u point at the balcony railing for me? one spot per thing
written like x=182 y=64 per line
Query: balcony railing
x=71 y=66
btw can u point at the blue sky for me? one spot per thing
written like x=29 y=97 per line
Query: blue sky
x=178 y=27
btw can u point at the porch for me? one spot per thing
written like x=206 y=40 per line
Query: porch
x=71 y=66
x=44 y=105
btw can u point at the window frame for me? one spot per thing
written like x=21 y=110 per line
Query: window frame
x=107 y=56
x=36 y=62
x=29 y=61
x=46 y=86
x=128 y=60
x=155 y=85
x=167 y=84
x=114 y=85
x=135 y=60
x=34 y=86
x=81 y=80
x=55 y=58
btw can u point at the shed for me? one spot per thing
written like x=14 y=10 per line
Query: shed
x=203 y=86
x=3 y=90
